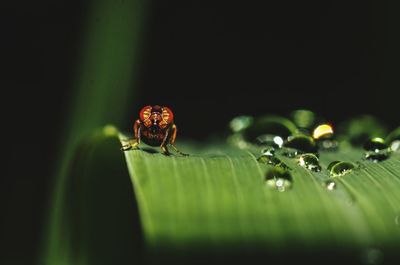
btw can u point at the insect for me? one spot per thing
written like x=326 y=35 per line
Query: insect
x=155 y=127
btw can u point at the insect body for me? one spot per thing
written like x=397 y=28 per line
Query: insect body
x=155 y=127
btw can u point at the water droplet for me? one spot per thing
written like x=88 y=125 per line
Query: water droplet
x=360 y=129
x=394 y=139
x=268 y=125
x=301 y=142
x=291 y=152
x=331 y=164
x=323 y=135
x=328 y=144
x=377 y=156
x=372 y=256
x=376 y=150
x=341 y=168
x=375 y=144
x=323 y=131
x=240 y=123
x=330 y=185
x=309 y=161
x=110 y=130
x=268 y=157
x=268 y=151
x=278 y=179
x=237 y=139
x=270 y=160
x=395 y=146
x=303 y=118
x=271 y=140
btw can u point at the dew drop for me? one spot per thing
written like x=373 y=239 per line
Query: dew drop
x=341 y=169
x=240 y=123
x=376 y=150
x=325 y=140
x=375 y=144
x=301 y=142
x=291 y=152
x=309 y=161
x=270 y=140
x=268 y=151
x=268 y=157
x=267 y=126
x=328 y=144
x=303 y=118
x=395 y=146
x=278 y=179
x=331 y=164
x=377 y=156
x=360 y=129
x=323 y=131
x=394 y=139
x=330 y=185
x=270 y=160
x=110 y=130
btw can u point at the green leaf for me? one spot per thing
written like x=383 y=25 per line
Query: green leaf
x=216 y=197
x=215 y=201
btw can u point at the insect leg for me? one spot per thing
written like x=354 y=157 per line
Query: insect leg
x=165 y=150
x=174 y=130
x=133 y=143
x=163 y=145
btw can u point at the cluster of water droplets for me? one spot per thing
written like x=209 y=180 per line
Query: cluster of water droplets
x=302 y=136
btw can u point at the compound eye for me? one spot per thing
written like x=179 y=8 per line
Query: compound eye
x=167 y=115
x=145 y=113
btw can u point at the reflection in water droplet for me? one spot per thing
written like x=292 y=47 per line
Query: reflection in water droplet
x=301 y=142
x=372 y=256
x=240 y=123
x=278 y=179
x=309 y=161
x=341 y=168
x=323 y=131
x=330 y=185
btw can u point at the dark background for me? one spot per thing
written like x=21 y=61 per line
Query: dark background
x=207 y=61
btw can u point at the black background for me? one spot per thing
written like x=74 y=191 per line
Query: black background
x=207 y=61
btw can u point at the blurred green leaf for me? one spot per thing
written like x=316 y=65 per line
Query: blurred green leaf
x=101 y=93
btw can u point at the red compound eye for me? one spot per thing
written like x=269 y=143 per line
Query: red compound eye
x=145 y=113
x=167 y=115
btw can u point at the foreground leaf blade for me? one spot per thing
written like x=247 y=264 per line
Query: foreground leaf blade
x=218 y=198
